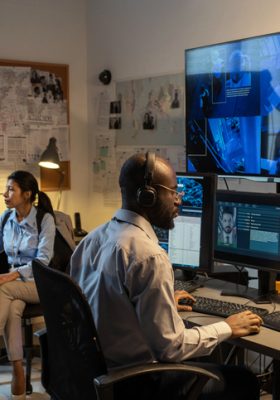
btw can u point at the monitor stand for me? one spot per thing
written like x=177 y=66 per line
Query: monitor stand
x=194 y=280
x=189 y=275
x=262 y=295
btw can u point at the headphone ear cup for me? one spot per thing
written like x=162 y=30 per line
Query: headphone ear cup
x=146 y=196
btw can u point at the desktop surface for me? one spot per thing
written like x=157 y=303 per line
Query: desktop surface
x=266 y=342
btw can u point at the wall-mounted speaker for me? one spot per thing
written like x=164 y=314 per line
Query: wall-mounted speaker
x=105 y=77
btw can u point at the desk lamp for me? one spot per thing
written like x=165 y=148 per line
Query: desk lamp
x=50 y=159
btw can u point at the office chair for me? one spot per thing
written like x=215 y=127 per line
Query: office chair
x=65 y=229
x=73 y=365
x=31 y=311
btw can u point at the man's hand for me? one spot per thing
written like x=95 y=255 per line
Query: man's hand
x=183 y=295
x=244 y=323
x=10 y=276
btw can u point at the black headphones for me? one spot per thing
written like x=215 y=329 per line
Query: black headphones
x=147 y=195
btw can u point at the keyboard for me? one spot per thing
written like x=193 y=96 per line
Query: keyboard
x=272 y=321
x=188 y=286
x=222 y=308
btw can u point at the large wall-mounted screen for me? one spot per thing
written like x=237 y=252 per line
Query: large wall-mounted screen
x=233 y=107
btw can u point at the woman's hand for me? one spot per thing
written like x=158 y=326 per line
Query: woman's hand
x=8 y=277
x=180 y=295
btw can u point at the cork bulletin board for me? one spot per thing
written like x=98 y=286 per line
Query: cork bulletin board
x=34 y=98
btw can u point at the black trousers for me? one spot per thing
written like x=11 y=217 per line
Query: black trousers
x=238 y=383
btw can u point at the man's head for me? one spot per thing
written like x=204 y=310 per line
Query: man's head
x=148 y=185
x=227 y=219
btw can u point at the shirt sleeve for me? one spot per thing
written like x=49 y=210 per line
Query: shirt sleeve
x=45 y=247
x=151 y=289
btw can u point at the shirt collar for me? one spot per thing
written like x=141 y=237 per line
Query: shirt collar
x=133 y=218
x=29 y=220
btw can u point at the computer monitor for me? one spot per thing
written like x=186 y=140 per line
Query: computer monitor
x=247 y=233
x=232 y=107
x=189 y=244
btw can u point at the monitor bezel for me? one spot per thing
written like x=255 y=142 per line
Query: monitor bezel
x=258 y=262
x=207 y=223
x=270 y=177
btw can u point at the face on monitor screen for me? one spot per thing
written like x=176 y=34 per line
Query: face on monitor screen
x=189 y=244
x=233 y=107
x=247 y=229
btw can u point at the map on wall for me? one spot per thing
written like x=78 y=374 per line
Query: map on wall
x=152 y=111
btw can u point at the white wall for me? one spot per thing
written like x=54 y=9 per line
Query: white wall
x=141 y=38
x=55 y=31
x=132 y=38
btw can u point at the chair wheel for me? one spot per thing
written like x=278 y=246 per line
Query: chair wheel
x=29 y=389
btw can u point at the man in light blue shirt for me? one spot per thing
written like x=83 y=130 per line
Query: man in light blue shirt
x=128 y=279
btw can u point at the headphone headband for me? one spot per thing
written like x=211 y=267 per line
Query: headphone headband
x=147 y=195
x=150 y=167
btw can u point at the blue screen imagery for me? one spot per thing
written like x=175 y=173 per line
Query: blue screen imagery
x=233 y=107
x=193 y=192
x=183 y=242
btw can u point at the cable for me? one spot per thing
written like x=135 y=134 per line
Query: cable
x=61 y=180
x=226 y=183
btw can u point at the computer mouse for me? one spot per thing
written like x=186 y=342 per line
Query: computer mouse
x=186 y=302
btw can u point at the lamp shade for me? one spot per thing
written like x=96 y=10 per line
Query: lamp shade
x=50 y=158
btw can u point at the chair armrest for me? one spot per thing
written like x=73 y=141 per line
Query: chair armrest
x=104 y=384
x=40 y=332
x=125 y=373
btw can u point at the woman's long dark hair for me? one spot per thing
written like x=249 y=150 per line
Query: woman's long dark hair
x=27 y=182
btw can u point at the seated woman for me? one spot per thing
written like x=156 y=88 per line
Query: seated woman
x=22 y=243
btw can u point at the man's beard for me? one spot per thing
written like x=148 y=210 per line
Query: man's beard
x=162 y=219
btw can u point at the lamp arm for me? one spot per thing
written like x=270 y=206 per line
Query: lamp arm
x=61 y=180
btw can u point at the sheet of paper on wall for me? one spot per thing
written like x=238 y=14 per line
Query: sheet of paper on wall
x=14 y=89
x=111 y=192
x=16 y=149
x=103 y=108
x=29 y=96
x=174 y=154
x=103 y=170
x=105 y=144
x=2 y=149
x=3 y=181
x=46 y=113
x=99 y=175
x=38 y=139
x=13 y=150
x=46 y=103
x=152 y=111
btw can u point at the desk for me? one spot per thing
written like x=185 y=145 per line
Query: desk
x=267 y=342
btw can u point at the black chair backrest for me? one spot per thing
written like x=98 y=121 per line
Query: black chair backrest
x=74 y=355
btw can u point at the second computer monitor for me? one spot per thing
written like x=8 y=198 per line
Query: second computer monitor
x=189 y=244
x=248 y=229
